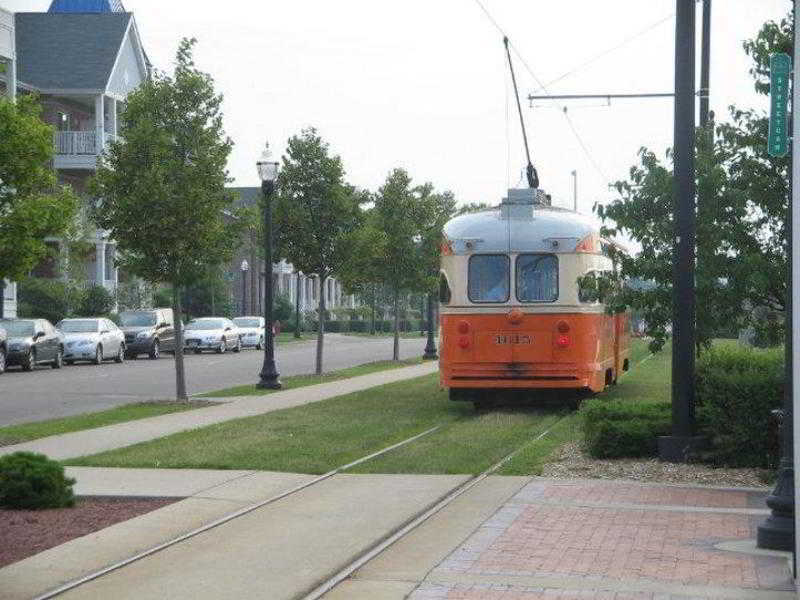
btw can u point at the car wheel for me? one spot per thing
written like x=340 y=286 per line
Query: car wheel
x=223 y=345
x=30 y=361
x=260 y=343
x=198 y=351
x=155 y=350
x=120 y=355
x=58 y=360
x=238 y=347
x=2 y=360
x=69 y=362
x=98 y=355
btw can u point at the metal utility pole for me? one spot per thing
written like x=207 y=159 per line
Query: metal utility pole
x=777 y=532
x=705 y=63
x=678 y=446
x=575 y=190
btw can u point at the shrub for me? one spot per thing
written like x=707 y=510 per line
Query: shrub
x=97 y=301
x=359 y=326
x=50 y=299
x=620 y=428
x=737 y=388
x=33 y=481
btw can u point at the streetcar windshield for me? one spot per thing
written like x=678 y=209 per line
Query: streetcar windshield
x=488 y=278
x=537 y=278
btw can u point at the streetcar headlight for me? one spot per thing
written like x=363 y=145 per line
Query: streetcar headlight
x=563 y=341
x=463 y=342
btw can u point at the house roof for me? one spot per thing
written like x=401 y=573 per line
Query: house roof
x=68 y=50
x=86 y=6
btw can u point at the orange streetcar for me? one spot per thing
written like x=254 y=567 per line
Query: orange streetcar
x=512 y=312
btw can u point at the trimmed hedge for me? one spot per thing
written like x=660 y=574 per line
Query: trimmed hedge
x=737 y=389
x=33 y=481
x=619 y=428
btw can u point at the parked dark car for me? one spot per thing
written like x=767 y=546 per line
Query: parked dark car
x=33 y=342
x=148 y=332
x=3 y=349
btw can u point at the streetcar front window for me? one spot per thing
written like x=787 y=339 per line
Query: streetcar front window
x=537 y=278
x=489 y=279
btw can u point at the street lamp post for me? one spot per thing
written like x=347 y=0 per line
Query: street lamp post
x=268 y=172
x=575 y=190
x=430 y=347
x=244 y=267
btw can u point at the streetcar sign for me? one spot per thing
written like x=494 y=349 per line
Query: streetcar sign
x=780 y=66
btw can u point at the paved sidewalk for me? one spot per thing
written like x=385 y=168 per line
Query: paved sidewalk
x=586 y=540
x=101 y=439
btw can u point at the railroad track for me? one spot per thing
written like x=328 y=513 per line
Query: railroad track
x=327 y=585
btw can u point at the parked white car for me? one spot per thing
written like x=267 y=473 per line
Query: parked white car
x=212 y=333
x=251 y=331
x=93 y=340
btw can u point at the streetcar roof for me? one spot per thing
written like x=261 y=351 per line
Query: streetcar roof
x=518 y=229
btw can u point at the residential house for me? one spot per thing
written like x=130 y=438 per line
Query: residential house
x=247 y=287
x=83 y=58
x=8 y=87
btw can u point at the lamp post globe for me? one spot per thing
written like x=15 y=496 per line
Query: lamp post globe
x=268 y=173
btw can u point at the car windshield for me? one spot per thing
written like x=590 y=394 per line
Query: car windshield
x=85 y=326
x=137 y=319
x=18 y=328
x=247 y=322
x=209 y=324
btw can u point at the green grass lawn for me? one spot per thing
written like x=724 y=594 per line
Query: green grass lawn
x=386 y=334
x=296 y=381
x=15 y=434
x=318 y=437
x=288 y=336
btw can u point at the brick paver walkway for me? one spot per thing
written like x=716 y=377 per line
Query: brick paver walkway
x=581 y=540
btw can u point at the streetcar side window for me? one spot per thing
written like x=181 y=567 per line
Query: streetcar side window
x=489 y=279
x=444 y=290
x=537 y=278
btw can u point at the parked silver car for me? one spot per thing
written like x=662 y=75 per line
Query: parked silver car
x=212 y=333
x=251 y=331
x=93 y=340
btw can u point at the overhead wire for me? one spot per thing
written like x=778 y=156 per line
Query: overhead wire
x=543 y=87
x=608 y=51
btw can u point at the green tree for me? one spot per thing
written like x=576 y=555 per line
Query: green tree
x=742 y=198
x=162 y=191
x=314 y=212
x=32 y=205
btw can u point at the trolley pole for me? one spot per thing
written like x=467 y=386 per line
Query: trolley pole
x=678 y=446
x=575 y=190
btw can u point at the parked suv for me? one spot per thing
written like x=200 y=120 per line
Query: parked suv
x=148 y=332
x=3 y=348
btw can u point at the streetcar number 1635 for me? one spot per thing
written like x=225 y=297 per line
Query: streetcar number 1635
x=515 y=338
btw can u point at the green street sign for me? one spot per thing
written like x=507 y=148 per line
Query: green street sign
x=780 y=67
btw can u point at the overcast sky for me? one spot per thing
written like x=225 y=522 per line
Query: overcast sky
x=424 y=84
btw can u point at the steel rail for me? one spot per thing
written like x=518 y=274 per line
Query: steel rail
x=222 y=520
x=344 y=573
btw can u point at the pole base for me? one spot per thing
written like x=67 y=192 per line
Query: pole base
x=269 y=384
x=777 y=531
x=680 y=448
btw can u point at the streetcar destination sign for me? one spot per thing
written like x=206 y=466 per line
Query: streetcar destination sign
x=780 y=67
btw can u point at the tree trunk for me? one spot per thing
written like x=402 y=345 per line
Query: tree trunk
x=180 y=373
x=396 y=347
x=321 y=325
x=2 y=297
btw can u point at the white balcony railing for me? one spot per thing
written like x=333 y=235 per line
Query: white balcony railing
x=75 y=142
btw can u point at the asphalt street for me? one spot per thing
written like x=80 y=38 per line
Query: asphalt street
x=48 y=393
